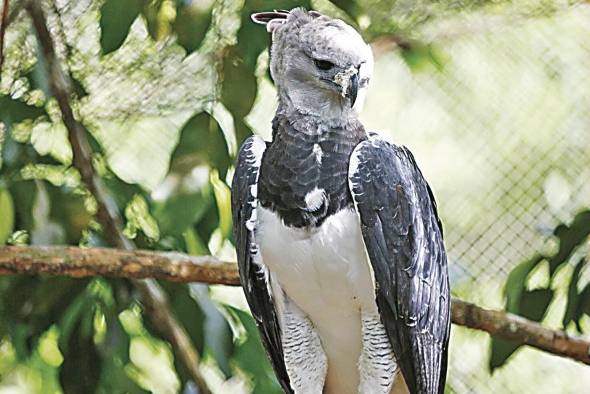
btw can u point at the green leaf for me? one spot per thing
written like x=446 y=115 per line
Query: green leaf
x=68 y=208
x=243 y=131
x=116 y=341
x=188 y=311
x=6 y=215
x=116 y=18
x=217 y=331
x=239 y=88
x=351 y=7
x=138 y=217
x=115 y=379
x=189 y=314
x=201 y=142
x=37 y=76
x=30 y=305
x=24 y=192
x=207 y=225
x=82 y=366
x=516 y=282
x=157 y=25
x=572 y=293
x=570 y=238
x=533 y=305
x=223 y=199
x=194 y=243
x=250 y=356
x=15 y=111
x=78 y=87
x=420 y=57
x=191 y=24
x=583 y=307
x=177 y=214
x=123 y=192
x=501 y=350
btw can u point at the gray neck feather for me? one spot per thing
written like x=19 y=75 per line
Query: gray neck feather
x=333 y=111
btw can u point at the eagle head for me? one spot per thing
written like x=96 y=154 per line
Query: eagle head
x=321 y=65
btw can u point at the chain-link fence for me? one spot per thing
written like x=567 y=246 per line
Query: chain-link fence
x=496 y=110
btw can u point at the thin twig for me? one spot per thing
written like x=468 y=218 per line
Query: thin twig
x=154 y=299
x=3 y=26
x=178 y=267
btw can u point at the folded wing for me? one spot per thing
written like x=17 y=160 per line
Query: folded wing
x=403 y=237
x=253 y=273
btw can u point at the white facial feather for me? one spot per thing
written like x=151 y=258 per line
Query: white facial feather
x=303 y=39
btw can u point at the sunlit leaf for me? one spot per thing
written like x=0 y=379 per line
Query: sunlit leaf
x=116 y=18
x=223 y=199
x=159 y=15
x=139 y=217
x=18 y=238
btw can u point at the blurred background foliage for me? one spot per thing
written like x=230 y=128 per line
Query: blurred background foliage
x=492 y=96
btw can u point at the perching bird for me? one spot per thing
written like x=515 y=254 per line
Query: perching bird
x=339 y=245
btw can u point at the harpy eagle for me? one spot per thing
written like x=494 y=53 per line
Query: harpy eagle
x=339 y=245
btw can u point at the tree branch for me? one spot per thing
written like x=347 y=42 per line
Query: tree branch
x=178 y=267
x=518 y=329
x=137 y=264
x=154 y=299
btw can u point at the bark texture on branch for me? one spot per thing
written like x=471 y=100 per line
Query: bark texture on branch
x=518 y=329
x=153 y=297
x=137 y=264
x=178 y=267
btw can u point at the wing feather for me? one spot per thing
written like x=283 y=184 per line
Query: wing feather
x=403 y=237
x=253 y=273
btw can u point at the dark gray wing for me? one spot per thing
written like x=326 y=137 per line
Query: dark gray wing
x=403 y=237
x=253 y=273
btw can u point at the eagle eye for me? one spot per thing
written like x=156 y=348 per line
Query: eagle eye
x=323 y=64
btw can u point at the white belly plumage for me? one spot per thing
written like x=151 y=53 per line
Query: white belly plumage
x=326 y=273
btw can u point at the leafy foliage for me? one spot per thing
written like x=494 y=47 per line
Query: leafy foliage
x=42 y=201
x=534 y=303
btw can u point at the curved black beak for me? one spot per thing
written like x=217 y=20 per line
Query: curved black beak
x=353 y=88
